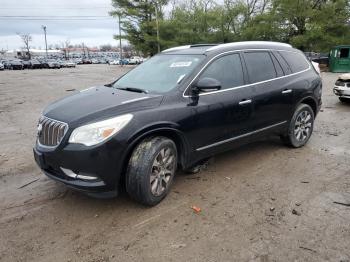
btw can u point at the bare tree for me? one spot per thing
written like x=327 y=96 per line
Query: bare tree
x=65 y=47
x=26 y=38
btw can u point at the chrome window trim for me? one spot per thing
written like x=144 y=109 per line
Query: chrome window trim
x=238 y=87
x=240 y=136
x=65 y=132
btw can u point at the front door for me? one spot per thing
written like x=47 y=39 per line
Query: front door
x=221 y=115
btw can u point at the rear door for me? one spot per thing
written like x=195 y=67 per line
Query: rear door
x=271 y=96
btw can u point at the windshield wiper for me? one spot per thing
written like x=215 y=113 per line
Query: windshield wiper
x=133 y=89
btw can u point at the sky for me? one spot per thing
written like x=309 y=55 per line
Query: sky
x=28 y=16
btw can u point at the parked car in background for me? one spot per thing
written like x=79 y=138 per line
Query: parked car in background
x=135 y=60
x=102 y=61
x=78 y=61
x=113 y=62
x=2 y=67
x=124 y=61
x=5 y=63
x=26 y=64
x=342 y=87
x=14 y=65
x=68 y=63
x=175 y=110
x=35 y=64
x=86 y=61
x=51 y=63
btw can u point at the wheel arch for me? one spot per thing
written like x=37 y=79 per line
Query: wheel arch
x=311 y=101
x=166 y=131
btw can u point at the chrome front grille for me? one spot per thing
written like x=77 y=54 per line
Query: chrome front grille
x=51 y=132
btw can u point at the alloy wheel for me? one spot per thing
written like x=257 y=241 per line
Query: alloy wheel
x=302 y=126
x=163 y=169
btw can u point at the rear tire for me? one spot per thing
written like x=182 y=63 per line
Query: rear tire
x=300 y=127
x=151 y=170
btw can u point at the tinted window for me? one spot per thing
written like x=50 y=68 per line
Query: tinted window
x=260 y=66
x=278 y=67
x=287 y=70
x=296 y=61
x=227 y=69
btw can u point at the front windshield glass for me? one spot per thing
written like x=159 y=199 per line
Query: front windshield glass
x=160 y=73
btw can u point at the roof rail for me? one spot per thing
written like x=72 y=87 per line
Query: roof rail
x=176 y=48
x=248 y=43
x=187 y=46
x=199 y=45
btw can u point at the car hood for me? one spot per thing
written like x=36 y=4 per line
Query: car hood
x=99 y=103
x=344 y=77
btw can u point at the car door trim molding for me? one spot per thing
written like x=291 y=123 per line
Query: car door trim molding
x=240 y=136
x=238 y=87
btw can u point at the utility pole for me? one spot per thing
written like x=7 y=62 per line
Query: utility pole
x=157 y=23
x=44 y=28
x=120 y=39
x=84 y=49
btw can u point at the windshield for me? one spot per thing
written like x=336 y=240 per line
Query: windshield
x=160 y=73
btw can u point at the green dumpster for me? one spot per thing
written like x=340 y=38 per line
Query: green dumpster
x=339 y=59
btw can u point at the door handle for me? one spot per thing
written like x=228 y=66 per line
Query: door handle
x=245 y=102
x=287 y=91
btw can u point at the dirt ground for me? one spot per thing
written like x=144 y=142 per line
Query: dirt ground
x=247 y=196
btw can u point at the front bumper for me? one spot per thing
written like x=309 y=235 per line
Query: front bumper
x=95 y=170
x=341 y=91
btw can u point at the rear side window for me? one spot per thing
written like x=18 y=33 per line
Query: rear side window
x=260 y=66
x=227 y=69
x=278 y=67
x=283 y=63
x=296 y=61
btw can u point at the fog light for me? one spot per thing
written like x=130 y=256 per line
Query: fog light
x=71 y=174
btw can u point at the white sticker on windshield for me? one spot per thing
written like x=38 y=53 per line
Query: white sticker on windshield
x=181 y=64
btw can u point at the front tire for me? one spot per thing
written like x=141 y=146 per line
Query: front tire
x=151 y=170
x=300 y=127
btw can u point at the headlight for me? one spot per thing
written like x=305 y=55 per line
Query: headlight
x=98 y=132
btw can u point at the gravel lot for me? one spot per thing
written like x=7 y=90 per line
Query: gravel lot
x=247 y=196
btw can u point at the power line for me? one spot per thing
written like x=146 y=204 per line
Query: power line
x=54 y=19
x=49 y=16
x=55 y=7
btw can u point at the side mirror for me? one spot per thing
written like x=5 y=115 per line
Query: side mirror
x=207 y=84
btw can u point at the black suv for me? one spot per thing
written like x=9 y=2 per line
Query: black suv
x=175 y=110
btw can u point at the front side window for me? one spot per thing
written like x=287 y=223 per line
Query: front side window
x=227 y=70
x=160 y=74
x=260 y=66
